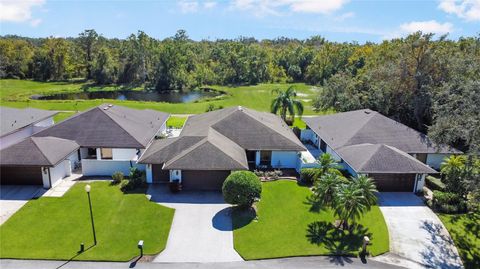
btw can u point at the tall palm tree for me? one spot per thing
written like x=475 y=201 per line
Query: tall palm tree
x=325 y=189
x=368 y=189
x=452 y=170
x=328 y=164
x=285 y=102
x=350 y=204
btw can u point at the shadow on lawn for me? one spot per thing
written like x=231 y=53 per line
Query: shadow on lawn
x=74 y=256
x=337 y=241
x=242 y=217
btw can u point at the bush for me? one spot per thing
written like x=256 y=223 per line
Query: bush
x=117 y=177
x=242 y=188
x=136 y=179
x=447 y=202
x=308 y=175
x=435 y=184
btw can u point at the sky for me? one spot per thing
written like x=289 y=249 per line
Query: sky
x=336 y=20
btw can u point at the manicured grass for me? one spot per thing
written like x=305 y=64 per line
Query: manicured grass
x=62 y=116
x=16 y=93
x=299 y=123
x=286 y=226
x=176 y=122
x=465 y=232
x=53 y=228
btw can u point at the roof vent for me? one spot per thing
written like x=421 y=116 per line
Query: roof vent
x=240 y=108
x=105 y=108
x=110 y=105
x=367 y=111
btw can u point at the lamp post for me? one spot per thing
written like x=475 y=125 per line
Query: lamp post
x=87 y=189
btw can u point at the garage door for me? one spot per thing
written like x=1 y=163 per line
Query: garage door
x=203 y=180
x=21 y=175
x=159 y=175
x=394 y=182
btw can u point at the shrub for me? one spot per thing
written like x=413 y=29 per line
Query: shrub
x=136 y=179
x=435 y=184
x=117 y=177
x=308 y=175
x=447 y=202
x=242 y=188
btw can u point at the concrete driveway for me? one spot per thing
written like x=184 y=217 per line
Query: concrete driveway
x=13 y=197
x=418 y=238
x=202 y=227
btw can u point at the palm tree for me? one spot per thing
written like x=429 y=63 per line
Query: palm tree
x=350 y=204
x=285 y=102
x=327 y=165
x=452 y=169
x=325 y=190
x=368 y=189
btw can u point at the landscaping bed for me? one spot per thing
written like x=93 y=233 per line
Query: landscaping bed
x=53 y=228
x=287 y=226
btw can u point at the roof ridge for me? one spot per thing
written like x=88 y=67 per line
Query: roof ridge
x=375 y=113
x=282 y=123
x=63 y=122
x=121 y=127
x=224 y=137
x=370 y=155
x=185 y=151
x=39 y=149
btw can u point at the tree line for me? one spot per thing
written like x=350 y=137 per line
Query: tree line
x=430 y=84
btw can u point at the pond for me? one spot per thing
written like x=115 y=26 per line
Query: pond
x=168 y=96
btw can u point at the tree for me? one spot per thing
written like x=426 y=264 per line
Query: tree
x=285 y=102
x=325 y=190
x=88 y=40
x=350 y=204
x=242 y=188
x=328 y=165
x=453 y=169
x=368 y=189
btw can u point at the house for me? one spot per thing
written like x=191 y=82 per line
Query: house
x=111 y=137
x=18 y=124
x=213 y=144
x=37 y=161
x=366 y=142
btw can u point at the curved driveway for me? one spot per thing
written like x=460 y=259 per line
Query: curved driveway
x=417 y=236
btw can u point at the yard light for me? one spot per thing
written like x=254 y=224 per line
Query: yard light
x=366 y=242
x=87 y=189
x=140 y=246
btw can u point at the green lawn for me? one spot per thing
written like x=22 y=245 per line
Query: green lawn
x=62 y=116
x=287 y=227
x=176 y=122
x=465 y=232
x=53 y=228
x=16 y=93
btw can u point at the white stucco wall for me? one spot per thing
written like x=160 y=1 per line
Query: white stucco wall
x=420 y=182
x=13 y=138
x=176 y=175
x=333 y=153
x=435 y=160
x=124 y=154
x=59 y=171
x=107 y=167
x=149 y=173
x=73 y=158
x=284 y=159
x=306 y=135
x=45 y=178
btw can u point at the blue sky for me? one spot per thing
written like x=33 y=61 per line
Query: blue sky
x=338 y=20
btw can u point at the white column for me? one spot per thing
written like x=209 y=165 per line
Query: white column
x=149 y=173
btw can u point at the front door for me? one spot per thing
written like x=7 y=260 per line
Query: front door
x=265 y=157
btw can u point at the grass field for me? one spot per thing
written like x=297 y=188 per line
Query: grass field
x=287 y=227
x=176 y=122
x=17 y=93
x=465 y=232
x=53 y=228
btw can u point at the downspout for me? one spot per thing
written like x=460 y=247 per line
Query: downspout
x=49 y=178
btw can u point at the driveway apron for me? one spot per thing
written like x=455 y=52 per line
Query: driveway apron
x=201 y=230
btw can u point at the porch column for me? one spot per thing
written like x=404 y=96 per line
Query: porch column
x=149 y=173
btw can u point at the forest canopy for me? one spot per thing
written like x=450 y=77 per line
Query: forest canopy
x=429 y=83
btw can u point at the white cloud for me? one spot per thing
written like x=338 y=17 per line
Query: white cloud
x=465 y=9
x=271 y=7
x=209 y=4
x=19 y=11
x=35 y=22
x=188 y=6
x=427 y=27
x=345 y=16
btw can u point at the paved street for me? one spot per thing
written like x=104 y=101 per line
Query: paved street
x=287 y=263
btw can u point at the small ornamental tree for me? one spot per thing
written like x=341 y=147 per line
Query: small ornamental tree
x=242 y=188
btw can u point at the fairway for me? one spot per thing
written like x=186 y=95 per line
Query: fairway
x=53 y=228
x=17 y=93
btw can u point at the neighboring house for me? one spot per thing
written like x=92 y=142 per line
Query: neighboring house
x=111 y=137
x=18 y=124
x=213 y=144
x=366 y=142
x=37 y=161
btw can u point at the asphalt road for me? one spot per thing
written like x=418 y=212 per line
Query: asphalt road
x=324 y=262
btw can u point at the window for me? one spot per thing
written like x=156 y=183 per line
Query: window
x=265 y=157
x=106 y=153
x=92 y=153
x=323 y=146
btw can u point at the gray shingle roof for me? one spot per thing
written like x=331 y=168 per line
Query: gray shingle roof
x=214 y=152
x=379 y=158
x=110 y=127
x=12 y=119
x=37 y=151
x=367 y=126
x=163 y=150
x=252 y=130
